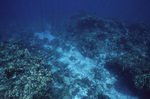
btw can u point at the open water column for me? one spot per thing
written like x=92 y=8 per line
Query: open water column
x=74 y=49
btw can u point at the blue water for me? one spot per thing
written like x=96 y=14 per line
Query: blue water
x=83 y=37
x=127 y=10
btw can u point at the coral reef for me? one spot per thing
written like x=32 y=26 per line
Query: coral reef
x=76 y=62
x=23 y=73
x=134 y=69
x=126 y=48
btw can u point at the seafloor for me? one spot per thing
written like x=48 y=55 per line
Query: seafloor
x=87 y=58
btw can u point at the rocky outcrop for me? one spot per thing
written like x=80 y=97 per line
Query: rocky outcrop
x=134 y=70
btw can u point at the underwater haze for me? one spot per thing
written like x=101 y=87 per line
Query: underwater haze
x=126 y=10
x=74 y=49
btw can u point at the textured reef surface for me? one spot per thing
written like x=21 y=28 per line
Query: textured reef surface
x=126 y=48
x=23 y=73
x=86 y=58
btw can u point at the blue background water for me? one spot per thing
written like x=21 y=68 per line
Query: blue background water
x=131 y=11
